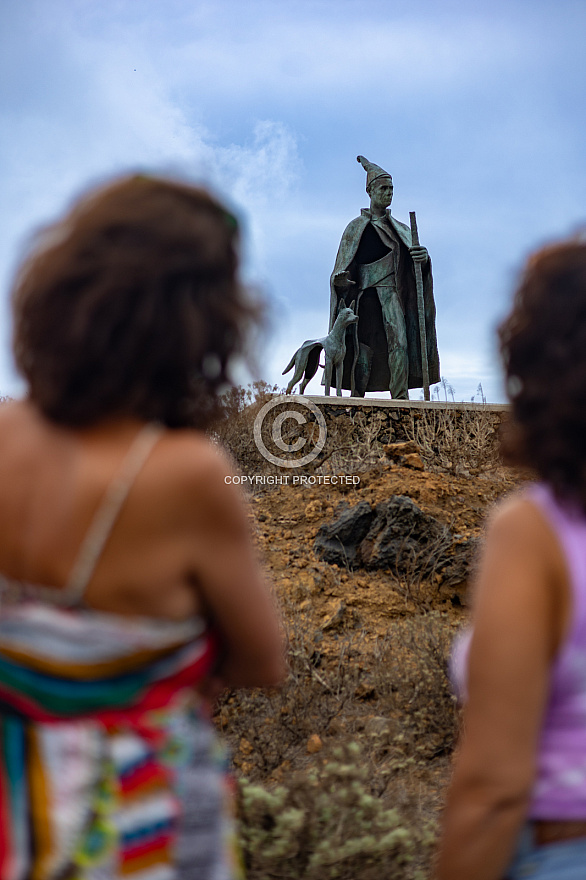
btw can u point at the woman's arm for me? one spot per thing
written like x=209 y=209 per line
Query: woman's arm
x=229 y=579
x=522 y=609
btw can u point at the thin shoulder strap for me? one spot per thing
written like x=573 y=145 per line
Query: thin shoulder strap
x=107 y=513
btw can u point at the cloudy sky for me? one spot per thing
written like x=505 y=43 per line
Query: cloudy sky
x=476 y=108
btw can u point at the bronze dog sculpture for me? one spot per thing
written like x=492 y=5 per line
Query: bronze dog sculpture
x=306 y=358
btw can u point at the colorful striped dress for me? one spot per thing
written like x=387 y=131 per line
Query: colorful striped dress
x=109 y=767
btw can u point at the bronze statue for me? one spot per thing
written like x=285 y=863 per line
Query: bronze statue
x=375 y=266
x=306 y=358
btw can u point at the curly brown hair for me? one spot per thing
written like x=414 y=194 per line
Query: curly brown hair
x=131 y=305
x=543 y=346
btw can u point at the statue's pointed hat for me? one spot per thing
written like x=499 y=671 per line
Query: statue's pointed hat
x=373 y=172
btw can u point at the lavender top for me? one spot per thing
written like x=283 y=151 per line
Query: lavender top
x=560 y=784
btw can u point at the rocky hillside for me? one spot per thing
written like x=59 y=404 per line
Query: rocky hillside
x=372 y=579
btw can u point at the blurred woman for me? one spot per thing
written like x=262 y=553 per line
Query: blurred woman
x=517 y=803
x=129 y=584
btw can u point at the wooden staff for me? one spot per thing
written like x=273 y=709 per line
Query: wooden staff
x=420 y=307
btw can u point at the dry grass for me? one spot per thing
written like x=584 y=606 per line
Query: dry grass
x=357 y=447
x=354 y=724
x=340 y=773
x=456 y=441
x=235 y=430
x=354 y=441
x=325 y=824
x=419 y=581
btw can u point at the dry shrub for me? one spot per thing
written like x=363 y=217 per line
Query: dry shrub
x=459 y=441
x=235 y=428
x=325 y=824
x=355 y=443
x=367 y=800
x=269 y=730
x=410 y=673
x=419 y=580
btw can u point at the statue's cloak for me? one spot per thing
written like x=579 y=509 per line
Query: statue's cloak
x=407 y=290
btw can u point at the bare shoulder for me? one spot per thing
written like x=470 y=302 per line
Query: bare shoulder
x=518 y=521
x=520 y=539
x=198 y=474
x=13 y=412
x=22 y=430
x=523 y=577
x=193 y=456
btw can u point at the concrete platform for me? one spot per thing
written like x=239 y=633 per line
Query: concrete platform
x=387 y=403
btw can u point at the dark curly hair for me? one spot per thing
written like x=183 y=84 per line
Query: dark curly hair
x=131 y=305
x=543 y=346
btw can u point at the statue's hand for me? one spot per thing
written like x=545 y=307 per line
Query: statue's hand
x=419 y=254
x=342 y=279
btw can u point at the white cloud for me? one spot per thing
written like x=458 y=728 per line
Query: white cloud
x=293 y=56
x=119 y=121
x=472 y=106
x=260 y=176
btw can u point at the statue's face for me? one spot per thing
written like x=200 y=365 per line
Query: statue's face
x=381 y=193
